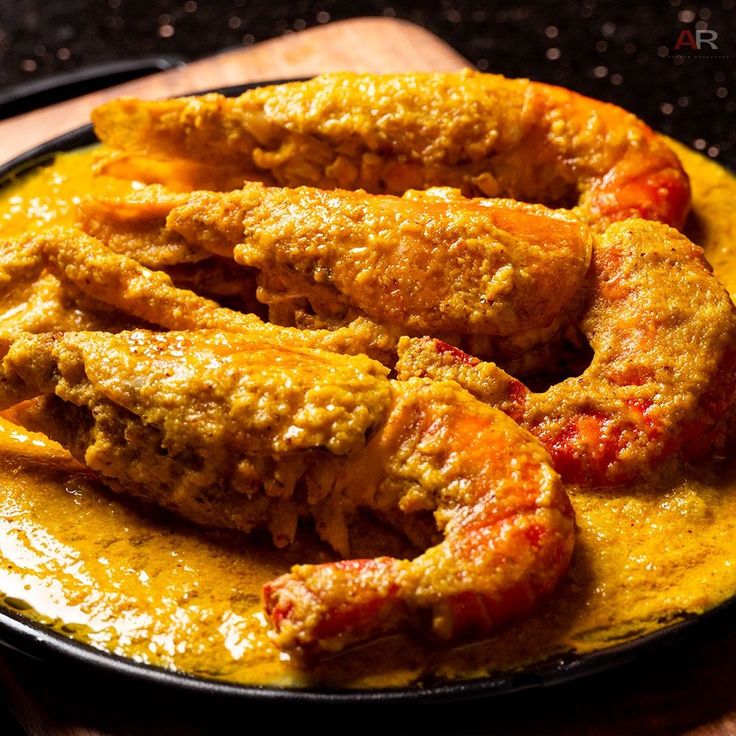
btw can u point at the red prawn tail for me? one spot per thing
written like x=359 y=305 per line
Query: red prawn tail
x=317 y=609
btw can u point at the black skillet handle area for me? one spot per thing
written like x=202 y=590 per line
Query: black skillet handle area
x=21 y=98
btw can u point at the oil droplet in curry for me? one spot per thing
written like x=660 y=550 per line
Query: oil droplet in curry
x=131 y=579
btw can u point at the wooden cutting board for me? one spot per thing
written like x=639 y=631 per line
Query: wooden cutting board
x=361 y=44
x=689 y=690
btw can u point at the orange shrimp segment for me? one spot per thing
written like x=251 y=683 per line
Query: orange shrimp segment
x=386 y=133
x=657 y=190
x=508 y=530
x=663 y=374
x=629 y=171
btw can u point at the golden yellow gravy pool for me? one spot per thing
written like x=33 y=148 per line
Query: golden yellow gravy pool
x=131 y=579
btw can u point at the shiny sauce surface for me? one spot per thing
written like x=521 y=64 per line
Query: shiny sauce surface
x=128 y=578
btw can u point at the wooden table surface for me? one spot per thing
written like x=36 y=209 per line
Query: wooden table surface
x=688 y=687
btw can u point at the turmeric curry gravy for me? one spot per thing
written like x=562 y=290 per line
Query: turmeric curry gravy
x=131 y=579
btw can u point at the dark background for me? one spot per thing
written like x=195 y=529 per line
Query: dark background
x=619 y=51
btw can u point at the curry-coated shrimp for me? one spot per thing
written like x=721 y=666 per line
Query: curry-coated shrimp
x=663 y=374
x=230 y=432
x=217 y=426
x=113 y=283
x=508 y=530
x=490 y=275
x=386 y=133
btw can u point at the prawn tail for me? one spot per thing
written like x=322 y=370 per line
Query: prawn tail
x=317 y=609
x=321 y=609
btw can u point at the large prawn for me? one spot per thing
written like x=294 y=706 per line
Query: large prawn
x=484 y=134
x=235 y=433
x=660 y=324
x=663 y=373
x=476 y=272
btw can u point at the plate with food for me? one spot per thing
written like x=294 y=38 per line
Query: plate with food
x=365 y=386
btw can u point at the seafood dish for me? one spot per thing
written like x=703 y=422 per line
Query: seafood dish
x=367 y=381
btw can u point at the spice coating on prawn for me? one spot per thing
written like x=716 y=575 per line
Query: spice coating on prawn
x=229 y=432
x=497 y=277
x=216 y=426
x=108 y=280
x=663 y=374
x=485 y=134
x=428 y=266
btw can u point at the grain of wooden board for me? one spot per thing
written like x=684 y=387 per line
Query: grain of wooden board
x=689 y=690
x=362 y=44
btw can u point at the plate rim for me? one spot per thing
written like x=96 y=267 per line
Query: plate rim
x=41 y=641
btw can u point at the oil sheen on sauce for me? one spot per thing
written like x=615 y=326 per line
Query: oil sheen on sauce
x=133 y=580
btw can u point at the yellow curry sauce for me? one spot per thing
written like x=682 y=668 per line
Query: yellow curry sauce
x=136 y=581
